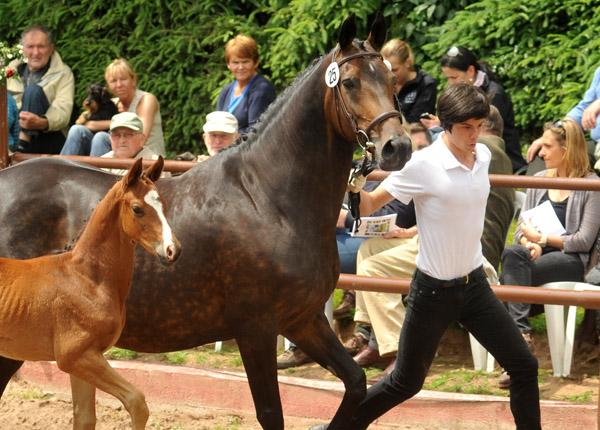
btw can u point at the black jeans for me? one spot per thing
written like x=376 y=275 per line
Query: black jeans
x=431 y=309
x=518 y=269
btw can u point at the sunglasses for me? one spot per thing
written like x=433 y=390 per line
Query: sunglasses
x=453 y=52
x=558 y=124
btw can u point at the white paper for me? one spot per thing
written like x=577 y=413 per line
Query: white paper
x=544 y=219
x=374 y=226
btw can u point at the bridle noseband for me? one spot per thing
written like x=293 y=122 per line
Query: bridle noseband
x=362 y=136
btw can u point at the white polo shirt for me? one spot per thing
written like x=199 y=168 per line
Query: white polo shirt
x=450 y=203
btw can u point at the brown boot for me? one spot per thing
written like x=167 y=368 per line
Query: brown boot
x=347 y=303
x=375 y=379
x=356 y=344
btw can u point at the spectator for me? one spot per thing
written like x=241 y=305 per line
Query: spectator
x=459 y=64
x=251 y=93
x=586 y=113
x=415 y=89
x=127 y=140
x=420 y=136
x=122 y=81
x=220 y=131
x=13 y=122
x=449 y=283
x=539 y=256
x=43 y=92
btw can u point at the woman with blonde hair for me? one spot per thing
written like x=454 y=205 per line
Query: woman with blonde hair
x=416 y=90
x=251 y=93
x=540 y=255
x=122 y=82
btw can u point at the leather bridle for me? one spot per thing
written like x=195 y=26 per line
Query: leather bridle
x=362 y=136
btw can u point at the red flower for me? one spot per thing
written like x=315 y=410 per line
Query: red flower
x=9 y=73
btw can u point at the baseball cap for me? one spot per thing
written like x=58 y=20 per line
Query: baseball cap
x=220 y=121
x=126 y=119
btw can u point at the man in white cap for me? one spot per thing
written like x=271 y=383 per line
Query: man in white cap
x=127 y=139
x=220 y=131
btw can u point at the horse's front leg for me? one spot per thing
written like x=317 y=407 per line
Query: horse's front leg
x=8 y=368
x=258 y=348
x=315 y=338
x=84 y=404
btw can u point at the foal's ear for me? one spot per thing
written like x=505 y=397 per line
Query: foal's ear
x=378 y=32
x=134 y=173
x=154 y=171
x=348 y=32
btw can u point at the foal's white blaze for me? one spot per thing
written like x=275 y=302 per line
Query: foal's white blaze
x=153 y=200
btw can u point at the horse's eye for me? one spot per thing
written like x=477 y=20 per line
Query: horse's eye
x=138 y=210
x=348 y=84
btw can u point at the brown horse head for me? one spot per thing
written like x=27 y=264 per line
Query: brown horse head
x=143 y=212
x=363 y=100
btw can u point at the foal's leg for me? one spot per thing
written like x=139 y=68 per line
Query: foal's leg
x=258 y=348
x=8 y=368
x=315 y=338
x=93 y=368
x=84 y=404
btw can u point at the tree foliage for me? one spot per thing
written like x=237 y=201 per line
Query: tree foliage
x=544 y=51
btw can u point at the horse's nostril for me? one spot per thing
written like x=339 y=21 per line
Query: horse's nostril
x=170 y=252
x=388 y=149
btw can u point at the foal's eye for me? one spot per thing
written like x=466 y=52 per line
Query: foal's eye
x=138 y=210
x=348 y=84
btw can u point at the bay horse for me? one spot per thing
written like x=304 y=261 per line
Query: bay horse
x=257 y=222
x=70 y=307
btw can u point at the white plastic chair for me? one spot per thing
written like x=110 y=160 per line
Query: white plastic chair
x=482 y=359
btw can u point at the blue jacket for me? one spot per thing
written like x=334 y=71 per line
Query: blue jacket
x=590 y=95
x=256 y=100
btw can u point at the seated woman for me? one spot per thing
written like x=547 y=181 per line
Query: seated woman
x=251 y=93
x=122 y=81
x=538 y=257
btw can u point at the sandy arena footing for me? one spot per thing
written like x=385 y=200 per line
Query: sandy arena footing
x=316 y=398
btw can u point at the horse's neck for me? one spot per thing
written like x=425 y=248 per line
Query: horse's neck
x=103 y=247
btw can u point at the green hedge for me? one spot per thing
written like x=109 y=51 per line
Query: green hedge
x=544 y=51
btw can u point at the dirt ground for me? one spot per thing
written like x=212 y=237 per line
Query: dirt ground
x=26 y=407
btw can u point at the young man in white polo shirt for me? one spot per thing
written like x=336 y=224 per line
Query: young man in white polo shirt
x=449 y=184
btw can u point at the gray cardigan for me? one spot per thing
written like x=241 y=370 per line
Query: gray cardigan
x=582 y=219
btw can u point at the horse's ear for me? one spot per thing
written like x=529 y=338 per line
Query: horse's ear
x=378 y=32
x=348 y=32
x=154 y=171
x=134 y=173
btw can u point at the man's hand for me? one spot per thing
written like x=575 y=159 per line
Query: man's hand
x=588 y=119
x=30 y=121
x=401 y=232
x=355 y=184
x=341 y=222
x=533 y=149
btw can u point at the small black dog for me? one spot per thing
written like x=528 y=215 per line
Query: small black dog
x=98 y=105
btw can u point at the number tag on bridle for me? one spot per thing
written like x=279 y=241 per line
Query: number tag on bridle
x=332 y=75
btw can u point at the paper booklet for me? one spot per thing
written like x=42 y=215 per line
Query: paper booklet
x=544 y=219
x=374 y=226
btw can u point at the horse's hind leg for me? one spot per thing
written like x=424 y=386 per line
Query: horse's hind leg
x=84 y=404
x=315 y=338
x=258 y=348
x=93 y=368
x=8 y=368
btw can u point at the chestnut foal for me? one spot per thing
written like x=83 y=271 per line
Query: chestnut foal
x=70 y=307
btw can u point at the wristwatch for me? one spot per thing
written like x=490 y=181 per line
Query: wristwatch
x=543 y=240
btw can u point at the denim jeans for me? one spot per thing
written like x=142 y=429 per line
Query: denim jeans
x=431 y=309
x=347 y=250
x=100 y=144
x=50 y=142
x=81 y=139
x=518 y=269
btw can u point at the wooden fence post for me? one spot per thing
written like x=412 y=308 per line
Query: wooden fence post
x=4 y=160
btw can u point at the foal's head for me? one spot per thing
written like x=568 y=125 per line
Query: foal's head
x=142 y=212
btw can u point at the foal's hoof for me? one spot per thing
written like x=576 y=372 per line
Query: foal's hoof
x=319 y=427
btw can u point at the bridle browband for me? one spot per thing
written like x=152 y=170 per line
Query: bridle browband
x=362 y=136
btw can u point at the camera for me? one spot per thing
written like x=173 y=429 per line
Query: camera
x=425 y=115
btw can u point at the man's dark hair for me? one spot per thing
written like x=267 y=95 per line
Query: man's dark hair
x=461 y=102
x=37 y=27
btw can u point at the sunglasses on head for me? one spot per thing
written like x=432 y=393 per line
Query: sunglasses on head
x=453 y=52
x=558 y=124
